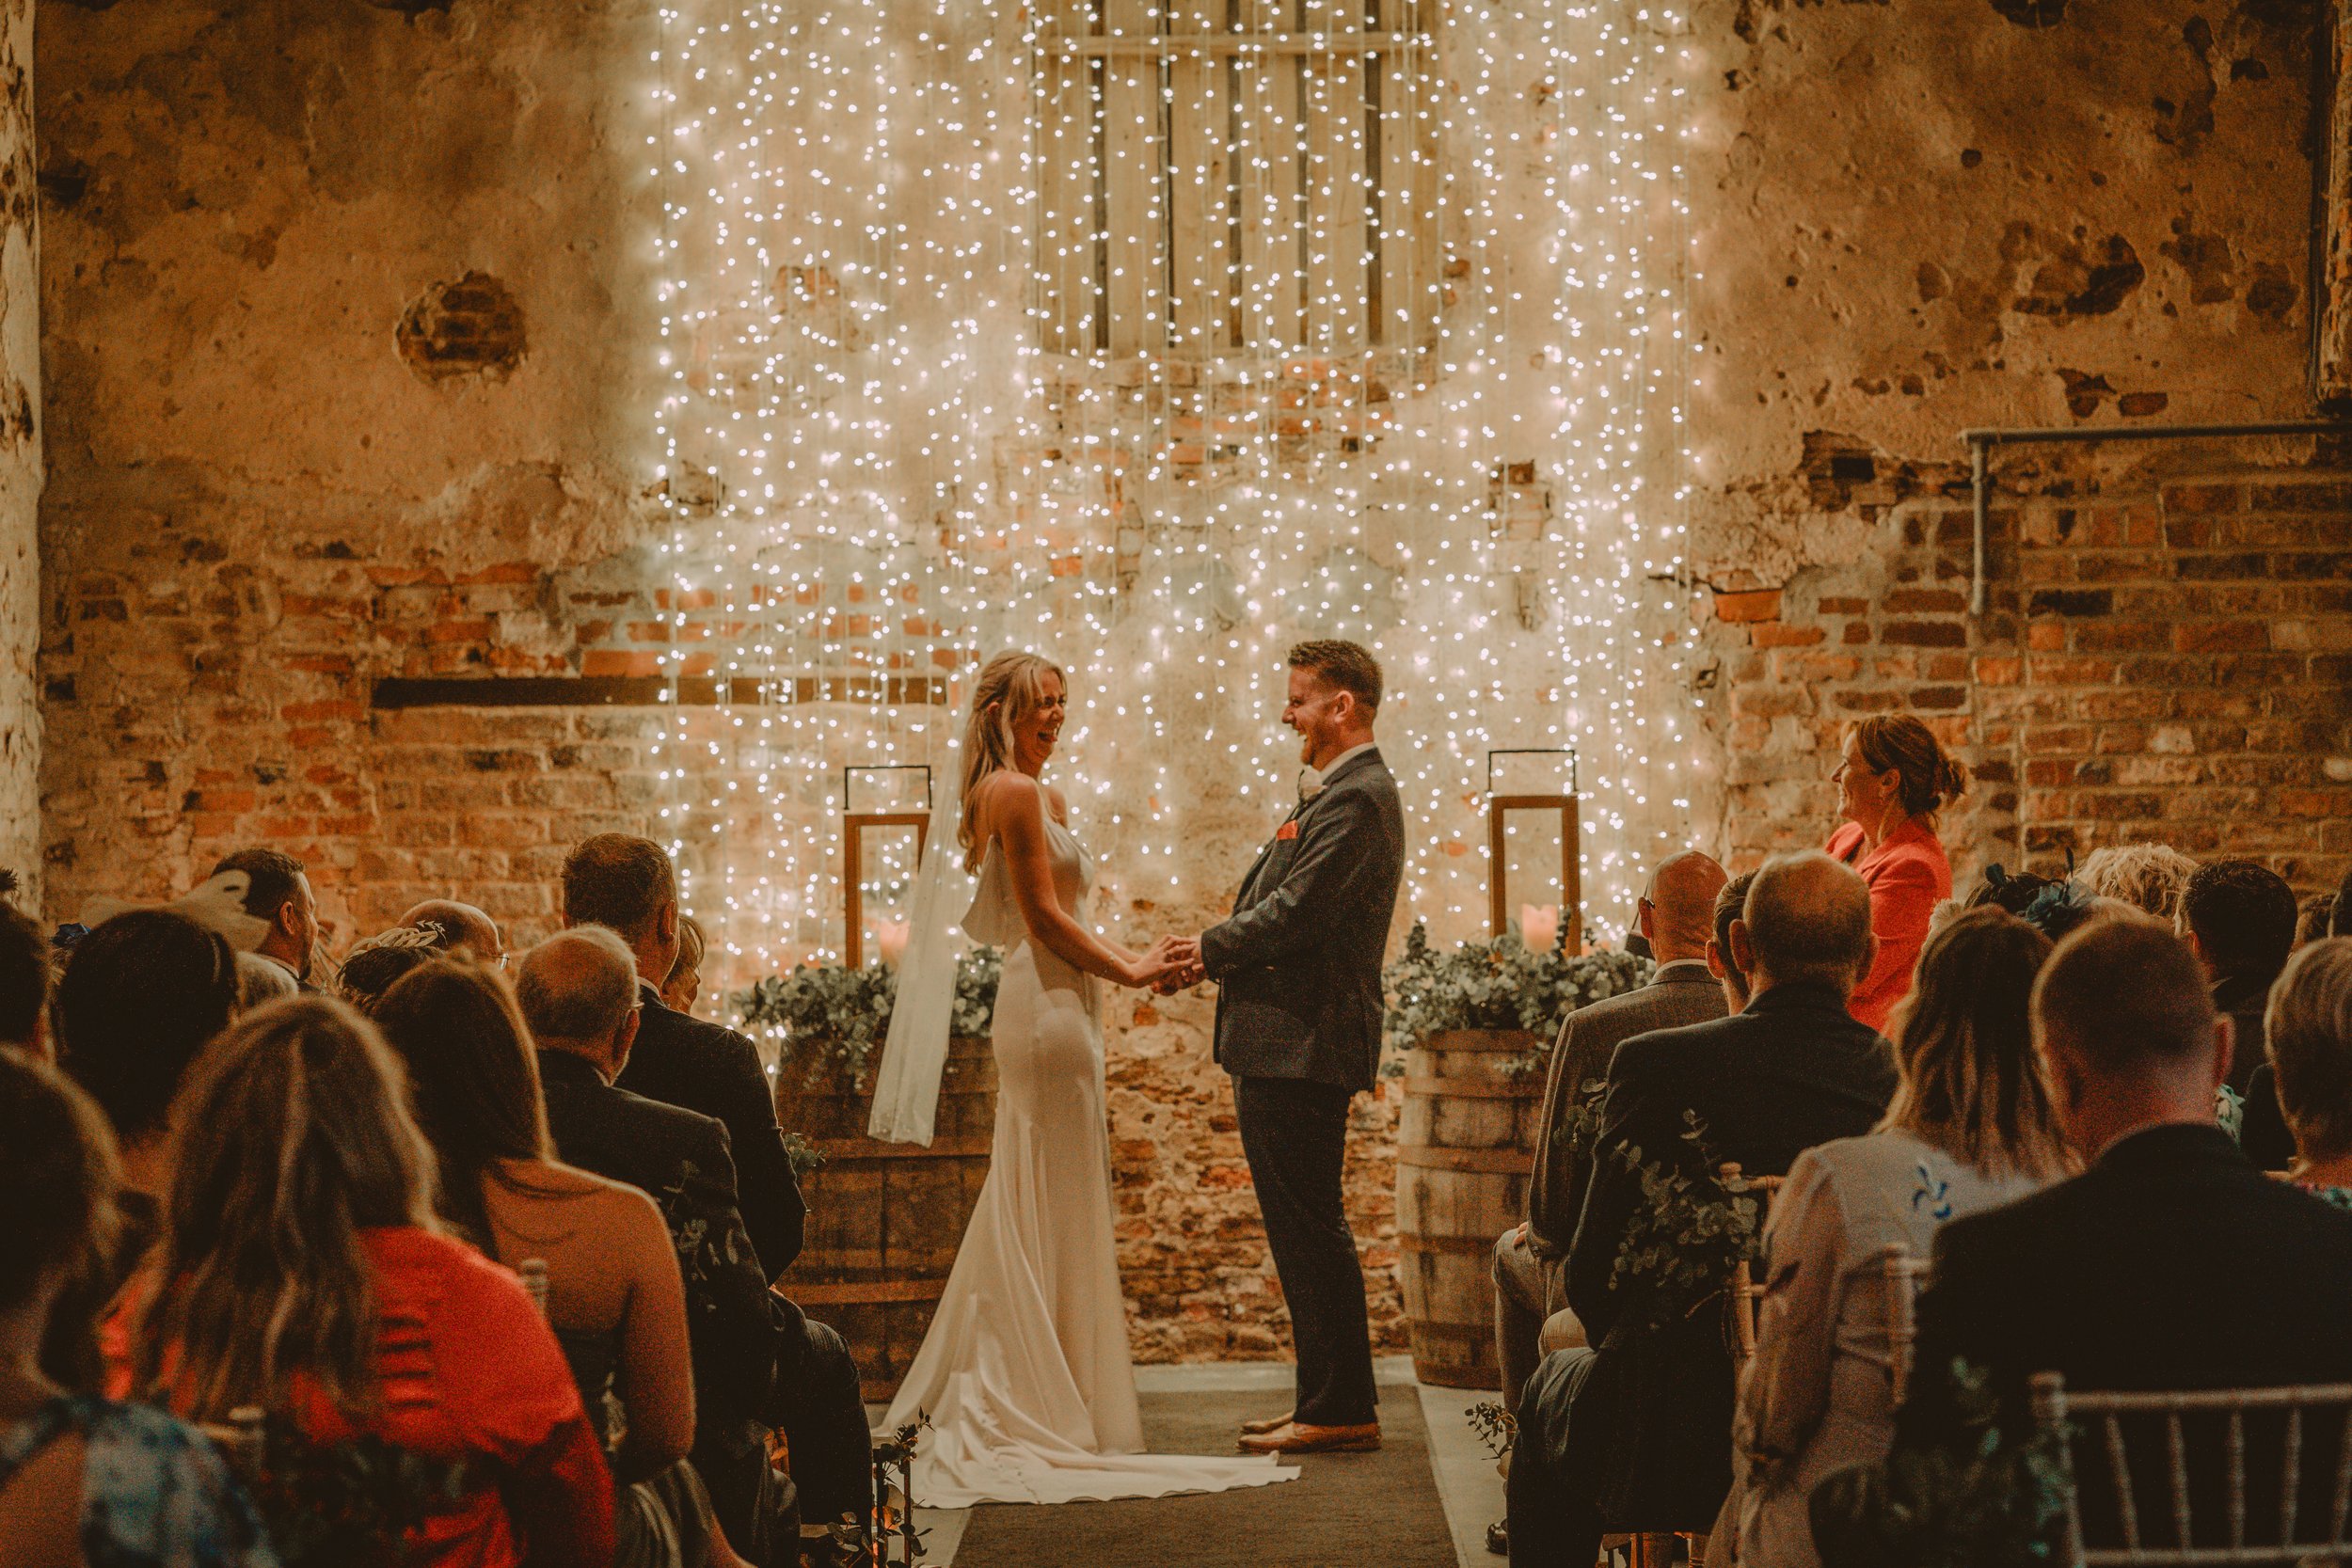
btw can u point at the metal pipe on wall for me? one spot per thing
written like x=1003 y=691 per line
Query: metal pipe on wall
x=1982 y=440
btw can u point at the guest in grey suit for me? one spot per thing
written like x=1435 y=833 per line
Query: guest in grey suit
x=1298 y=1026
x=1676 y=915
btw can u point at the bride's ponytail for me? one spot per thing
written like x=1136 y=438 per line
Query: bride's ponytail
x=1012 y=686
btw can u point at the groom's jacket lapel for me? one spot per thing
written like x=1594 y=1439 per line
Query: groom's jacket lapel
x=1248 y=891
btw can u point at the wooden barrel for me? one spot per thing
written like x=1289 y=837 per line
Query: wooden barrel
x=885 y=1220
x=1465 y=1144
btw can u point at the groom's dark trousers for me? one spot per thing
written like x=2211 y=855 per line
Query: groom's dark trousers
x=1298 y=1017
x=1295 y=1135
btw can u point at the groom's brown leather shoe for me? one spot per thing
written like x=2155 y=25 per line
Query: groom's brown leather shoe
x=1272 y=1423
x=1303 y=1437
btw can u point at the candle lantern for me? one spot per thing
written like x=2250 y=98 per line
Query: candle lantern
x=1540 y=924
x=911 y=812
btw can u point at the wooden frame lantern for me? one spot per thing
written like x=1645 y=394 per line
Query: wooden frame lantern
x=1499 y=810
x=854 y=827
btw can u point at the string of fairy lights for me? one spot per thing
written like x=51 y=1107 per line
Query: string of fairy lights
x=1156 y=335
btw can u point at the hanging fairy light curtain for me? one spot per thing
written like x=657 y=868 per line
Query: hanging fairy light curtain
x=1156 y=337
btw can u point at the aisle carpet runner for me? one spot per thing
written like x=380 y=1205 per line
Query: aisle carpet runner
x=1345 y=1508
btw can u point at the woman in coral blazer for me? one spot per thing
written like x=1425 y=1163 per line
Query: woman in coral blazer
x=1893 y=777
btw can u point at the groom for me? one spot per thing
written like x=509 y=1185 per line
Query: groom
x=1298 y=1026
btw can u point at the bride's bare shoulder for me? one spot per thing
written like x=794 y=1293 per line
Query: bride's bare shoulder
x=1001 y=794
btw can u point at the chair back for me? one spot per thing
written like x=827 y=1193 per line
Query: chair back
x=1744 y=1290
x=534 y=1275
x=2165 y=1417
x=1902 y=1271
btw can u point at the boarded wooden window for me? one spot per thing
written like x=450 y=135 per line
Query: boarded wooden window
x=1236 y=177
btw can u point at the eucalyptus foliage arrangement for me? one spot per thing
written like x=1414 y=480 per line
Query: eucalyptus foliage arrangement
x=832 y=1020
x=1990 y=1499
x=1498 y=983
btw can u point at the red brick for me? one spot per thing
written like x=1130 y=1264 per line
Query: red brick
x=2315 y=803
x=1999 y=671
x=618 y=661
x=1777 y=634
x=340 y=707
x=2221 y=637
x=1923 y=601
x=517 y=572
x=1925 y=634
x=2205 y=498
x=1844 y=607
x=1758 y=605
x=459 y=631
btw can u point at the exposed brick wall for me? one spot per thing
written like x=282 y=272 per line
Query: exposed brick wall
x=2160 y=658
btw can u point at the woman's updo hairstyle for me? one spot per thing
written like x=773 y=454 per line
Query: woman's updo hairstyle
x=1927 y=777
x=1011 y=687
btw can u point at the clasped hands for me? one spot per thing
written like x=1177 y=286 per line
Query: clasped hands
x=1173 y=965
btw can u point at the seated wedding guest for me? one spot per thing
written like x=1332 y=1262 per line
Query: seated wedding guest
x=1728 y=905
x=2309 y=1032
x=456 y=926
x=579 y=997
x=260 y=982
x=615 y=1296
x=372 y=967
x=626 y=884
x=2340 y=912
x=301 y=1271
x=1971 y=1127
x=685 y=984
x=2169 y=1262
x=2239 y=917
x=141 y=995
x=25 y=981
x=2148 y=877
x=277 y=893
x=1893 y=778
x=1636 y=1434
x=85 y=1479
x=1674 y=914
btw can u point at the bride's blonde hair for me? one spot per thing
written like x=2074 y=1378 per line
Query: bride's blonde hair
x=1011 y=687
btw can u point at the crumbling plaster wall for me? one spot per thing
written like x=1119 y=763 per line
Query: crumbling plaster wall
x=347 y=346
x=20 y=451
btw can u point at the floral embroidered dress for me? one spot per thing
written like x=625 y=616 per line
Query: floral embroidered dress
x=1819 y=1394
x=154 y=1494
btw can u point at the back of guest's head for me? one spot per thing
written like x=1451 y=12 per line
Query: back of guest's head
x=578 y=985
x=25 y=977
x=58 y=1168
x=375 y=966
x=270 y=876
x=1809 y=918
x=2339 y=914
x=297 y=1137
x=140 y=996
x=1681 y=898
x=2308 y=1032
x=2148 y=877
x=1971 y=1083
x=260 y=982
x=2243 y=916
x=617 y=880
x=1927 y=777
x=472 y=1077
x=454 y=924
x=2124 y=1000
x=1729 y=904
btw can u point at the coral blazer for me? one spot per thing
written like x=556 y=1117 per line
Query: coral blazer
x=1908 y=875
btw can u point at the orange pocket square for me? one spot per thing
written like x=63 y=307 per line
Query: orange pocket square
x=1287 y=830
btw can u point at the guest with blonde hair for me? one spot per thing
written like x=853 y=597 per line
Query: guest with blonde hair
x=302 y=1270
x=2149 y=877
x=1970 y=1127
x=2309 y=1030
x=685 y=982
x=1892 y=778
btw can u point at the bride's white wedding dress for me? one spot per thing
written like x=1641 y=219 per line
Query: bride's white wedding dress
x=1025 y=1373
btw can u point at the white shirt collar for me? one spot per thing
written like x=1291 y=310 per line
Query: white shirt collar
x=1311 y=780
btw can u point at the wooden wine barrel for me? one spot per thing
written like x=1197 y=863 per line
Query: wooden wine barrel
x=1465 y=1145
x=885 y=1220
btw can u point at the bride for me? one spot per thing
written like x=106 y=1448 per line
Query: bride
x=1024 y=1375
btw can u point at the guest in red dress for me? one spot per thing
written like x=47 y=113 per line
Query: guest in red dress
x=1895 y=776
x=302 y=1270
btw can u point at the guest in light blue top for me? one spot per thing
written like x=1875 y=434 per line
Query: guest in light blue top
x=1970 y=1128
x=85 y=1479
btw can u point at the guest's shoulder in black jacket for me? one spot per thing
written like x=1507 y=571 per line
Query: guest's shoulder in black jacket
x=709 y=1068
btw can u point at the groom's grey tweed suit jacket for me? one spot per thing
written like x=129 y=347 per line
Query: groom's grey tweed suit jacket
x=1298 y=962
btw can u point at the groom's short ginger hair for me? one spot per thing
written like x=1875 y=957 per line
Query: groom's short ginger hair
x=1348 y=666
